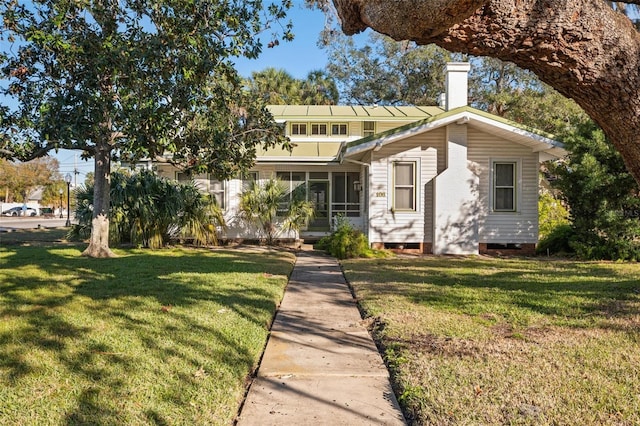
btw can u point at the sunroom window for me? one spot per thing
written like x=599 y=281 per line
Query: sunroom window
x=295 y=187
x=206 y=183
x=248 y=178
x=345 y=195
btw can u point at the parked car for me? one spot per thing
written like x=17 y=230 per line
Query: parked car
x=17 y=211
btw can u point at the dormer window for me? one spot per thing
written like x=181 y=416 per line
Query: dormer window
x=338 y=129
x=319 y=129
x=368 y=128
x=299 y=129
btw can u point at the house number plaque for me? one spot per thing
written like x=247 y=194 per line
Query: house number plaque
x=381 y=194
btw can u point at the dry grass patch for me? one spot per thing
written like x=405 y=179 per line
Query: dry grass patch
x=493 y=341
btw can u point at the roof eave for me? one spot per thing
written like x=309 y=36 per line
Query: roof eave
x=460 y=115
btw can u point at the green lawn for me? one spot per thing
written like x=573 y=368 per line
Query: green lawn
x=152 y=337
x=484 y=341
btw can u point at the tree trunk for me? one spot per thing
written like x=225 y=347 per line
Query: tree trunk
x=582 y=48
x=99 y=241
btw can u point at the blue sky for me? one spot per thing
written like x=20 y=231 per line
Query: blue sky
x=297 y=57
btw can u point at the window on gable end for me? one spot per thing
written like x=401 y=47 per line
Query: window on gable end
x=504 y=186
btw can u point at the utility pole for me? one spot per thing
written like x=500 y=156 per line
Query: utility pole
x=75 y=170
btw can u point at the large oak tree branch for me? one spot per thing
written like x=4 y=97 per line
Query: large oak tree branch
x=582 y=48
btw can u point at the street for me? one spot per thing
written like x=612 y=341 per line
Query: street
x=8 y=223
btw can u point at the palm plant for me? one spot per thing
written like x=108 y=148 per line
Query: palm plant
x=150 y=211
x=267 y=206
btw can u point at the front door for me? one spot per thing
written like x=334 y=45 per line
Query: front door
x=319 y=195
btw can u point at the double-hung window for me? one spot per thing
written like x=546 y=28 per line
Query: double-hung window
x=404 y=185
x=248 y=179
x=216 y=189
x=368 y=128
x=504 y=186
x=206 y=183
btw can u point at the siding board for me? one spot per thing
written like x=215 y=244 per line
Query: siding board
x=404 y=227
x=505 y=227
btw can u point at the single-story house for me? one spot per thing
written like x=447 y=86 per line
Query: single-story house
x=442 y=180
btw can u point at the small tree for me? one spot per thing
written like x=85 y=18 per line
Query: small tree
x=602 y=195
x=268 y=207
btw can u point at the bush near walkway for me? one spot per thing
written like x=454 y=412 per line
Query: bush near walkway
x=153 y=337
x=488 y=341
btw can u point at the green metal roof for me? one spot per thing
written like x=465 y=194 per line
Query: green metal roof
x=344 y=112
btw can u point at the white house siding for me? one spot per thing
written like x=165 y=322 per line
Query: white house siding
x=505 y=227
x=386 y=226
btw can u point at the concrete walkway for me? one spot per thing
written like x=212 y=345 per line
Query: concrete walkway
x=320 y=366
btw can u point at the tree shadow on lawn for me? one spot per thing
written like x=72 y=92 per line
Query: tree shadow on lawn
x=572 y=290
x=165 y=304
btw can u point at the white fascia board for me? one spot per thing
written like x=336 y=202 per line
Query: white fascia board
x=543 y=143
x=385 y=140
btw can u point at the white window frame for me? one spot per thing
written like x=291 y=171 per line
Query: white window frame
x=288 y=182
x=221 y=192
x=247 y=178
x=413 y=186
x=517 y=185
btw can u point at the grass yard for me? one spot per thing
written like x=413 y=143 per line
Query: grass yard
x=153 y=337
x=485 y=341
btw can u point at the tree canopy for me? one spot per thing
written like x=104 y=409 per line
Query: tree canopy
x=603 y=197
x=278 y=87
x=18 y=180
x=131 y=79
x=385 y=72
x=586 y=50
